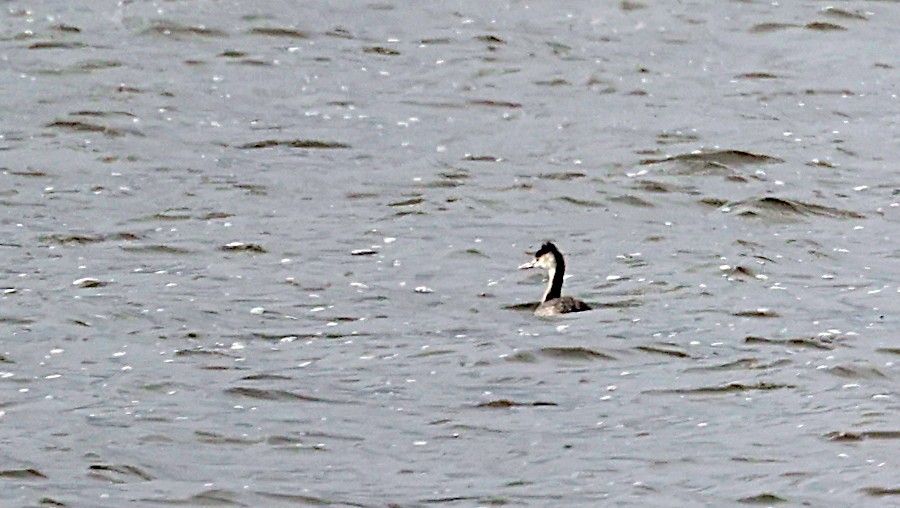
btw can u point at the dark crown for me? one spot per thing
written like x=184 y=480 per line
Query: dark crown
x=545 y=249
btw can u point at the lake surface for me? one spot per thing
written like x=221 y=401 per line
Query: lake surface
x=264 y=253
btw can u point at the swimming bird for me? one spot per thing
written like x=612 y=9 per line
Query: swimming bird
x=549 y=258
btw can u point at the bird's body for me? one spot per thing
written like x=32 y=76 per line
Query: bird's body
x=562 y=305
x=549 y=258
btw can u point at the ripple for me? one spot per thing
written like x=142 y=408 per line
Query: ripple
x=408 y=202
x=839 y=13
x=724 y=157
x=756 y=75
x=118 y=473
x=212 y=497
x=84 y=239
x=294 y=143
x=270 y=394
x=856 y=372
x=215 y=438
x=301 y=500
x=882 y=491
x=631 y=200
x=664 y=351
x=772 y=27
x=490 y=39
x=574 y=353
x=78 y=126
x=494 y=104
x=22 y=474
x=741 y=364
x=380 y=50
x=156 y=249
x=779 y=208
x=757 y=313
x=177 y=30
x=506 y=403
x=243 y=247
x=57 y=45
x=66 y=28
x=764 y=499
x=562 y=175
x=845 y=436
x=289 y=33
x=581 y=202
x=724 y=389
x=803 y=342
x=203 y=353
x=821 y=26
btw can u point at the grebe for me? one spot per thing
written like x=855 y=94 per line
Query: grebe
x=549 y=258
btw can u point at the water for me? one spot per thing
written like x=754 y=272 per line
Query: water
x=263 y=253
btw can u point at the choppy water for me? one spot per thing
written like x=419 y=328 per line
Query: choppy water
x=263 y=253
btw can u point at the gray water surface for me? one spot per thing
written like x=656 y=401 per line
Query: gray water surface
x=263 y=253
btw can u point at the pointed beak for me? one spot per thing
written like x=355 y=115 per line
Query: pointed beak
x=528 y=265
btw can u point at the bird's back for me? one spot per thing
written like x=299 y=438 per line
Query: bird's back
x=562 y=305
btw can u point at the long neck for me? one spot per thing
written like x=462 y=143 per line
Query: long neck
x=554 y=287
